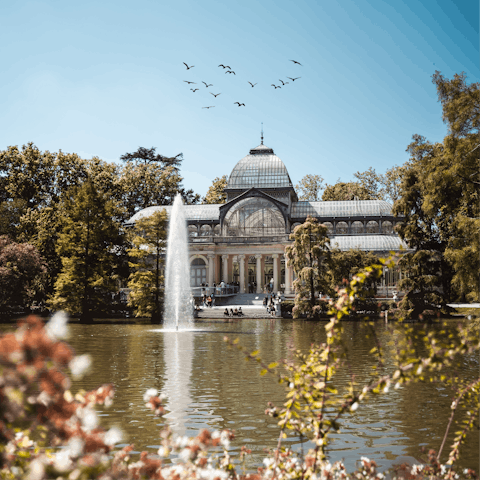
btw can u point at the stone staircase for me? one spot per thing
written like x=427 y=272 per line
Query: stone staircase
x=242 y=299
x=251 y=303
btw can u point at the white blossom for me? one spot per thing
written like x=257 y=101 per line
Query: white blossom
x=57 y=328
x=79 y=365
x=224 y=440
x=113 y=436
x=88 y=417
x=163 y=452
x=62 y=461
x=36 y=470
x=354 y=407
x=75 y=447
x=151 y=392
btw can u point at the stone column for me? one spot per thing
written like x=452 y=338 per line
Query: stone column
x=288 y=280
x=211 y=270
x=225 y=268
x=276 y=283
x=259 y=272
x=241 y=263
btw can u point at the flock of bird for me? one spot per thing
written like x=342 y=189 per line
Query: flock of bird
x=229 y=70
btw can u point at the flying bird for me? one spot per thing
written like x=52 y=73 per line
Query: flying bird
x=293 y=79
x=276 y=86
x=252 y=84
x=188 y=68
x=222 y=65
x=186 y=81
x=230 y=71
x=212 y=106
x=194 y=90
x=208 y=84
x=283 y=83
x=215 y=94
x=239 y=104
x=298 y=63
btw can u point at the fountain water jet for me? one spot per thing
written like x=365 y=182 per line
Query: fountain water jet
x=178 y=307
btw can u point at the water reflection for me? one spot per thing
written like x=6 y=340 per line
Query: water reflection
x=177 y=357
x=209 y=385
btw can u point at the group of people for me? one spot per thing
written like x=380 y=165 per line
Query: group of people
x=208 y=301
x=233 y=313
x=269 y=304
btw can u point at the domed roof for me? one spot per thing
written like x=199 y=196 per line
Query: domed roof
x=260 y=169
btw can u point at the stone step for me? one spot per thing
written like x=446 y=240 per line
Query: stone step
x=249 y=311
x=255 y=299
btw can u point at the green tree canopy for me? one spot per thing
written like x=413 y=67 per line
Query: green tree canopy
x=149 y=179
x=146 y=282
x=347 y=191
x=87 y=245
x=440 y=192
x=215 y=193
x=310 y=188
x=310 y=258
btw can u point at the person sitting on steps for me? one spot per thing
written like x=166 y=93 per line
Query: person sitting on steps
x=240 y=313
x=225 y=313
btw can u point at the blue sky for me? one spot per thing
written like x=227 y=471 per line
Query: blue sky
x=101 y=78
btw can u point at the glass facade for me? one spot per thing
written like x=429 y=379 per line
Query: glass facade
x=253 y=217
x=347 y=208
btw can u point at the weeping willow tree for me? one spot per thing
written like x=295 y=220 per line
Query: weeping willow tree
x=310 y=258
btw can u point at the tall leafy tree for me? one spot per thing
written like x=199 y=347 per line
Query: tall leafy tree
x=344 y=264
x=391 y=182
x=427 y=276
x=87 y=245
x=347 y=191
x=146 y=282
x=370 y=180
x=215 y=193
x=440 y=192
x=22 y=272
x=310 y=258
x=149 y=179
x=310 y=188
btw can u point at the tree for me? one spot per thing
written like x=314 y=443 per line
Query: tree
x=215 y=193
x=146 y=282
x=427 y=277
x=87 y=245
x=345 y=264
x=347 y=191
x=150 y=179
x=22 y=272
x=370 y=180
x=391 y=183
x=310 y=257
x=441 y=189
x=310 y=188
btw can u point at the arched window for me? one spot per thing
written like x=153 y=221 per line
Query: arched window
x=192 y=231
x=342 y=228
x=357 y=228
x=217 y=231
x=329 y=225
x=372 y=227
x=387 y=227
x=294 y=226
x=205 y=230
x=254 y=217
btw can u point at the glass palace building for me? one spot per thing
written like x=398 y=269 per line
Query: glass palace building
x=243 y=240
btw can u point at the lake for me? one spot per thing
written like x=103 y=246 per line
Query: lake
x=210 y=385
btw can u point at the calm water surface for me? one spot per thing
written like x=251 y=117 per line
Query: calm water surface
x=209 y=385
